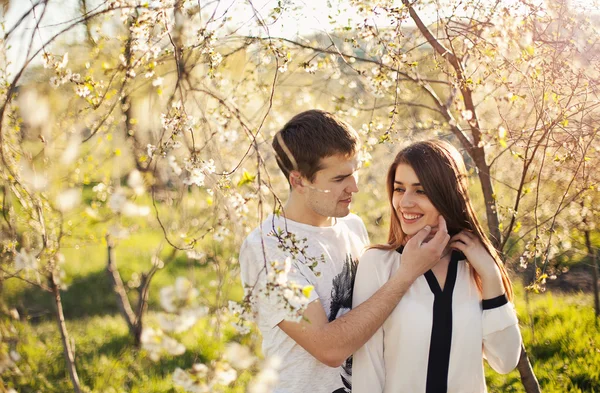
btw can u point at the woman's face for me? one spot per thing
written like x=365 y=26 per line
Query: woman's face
x=412 y=205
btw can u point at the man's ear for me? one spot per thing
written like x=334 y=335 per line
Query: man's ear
x=296 y=181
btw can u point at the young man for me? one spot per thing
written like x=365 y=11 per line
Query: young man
x=322 y=241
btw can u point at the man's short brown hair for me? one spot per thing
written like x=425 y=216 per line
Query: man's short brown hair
x=310 y=136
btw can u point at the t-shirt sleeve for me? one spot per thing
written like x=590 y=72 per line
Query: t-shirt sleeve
x=365 y=233
x=358 y=227
x=368 y=368
x=269 y=302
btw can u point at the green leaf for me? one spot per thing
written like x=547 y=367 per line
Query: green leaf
x=247 y=178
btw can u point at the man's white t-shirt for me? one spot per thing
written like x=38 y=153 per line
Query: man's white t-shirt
x=326 y=259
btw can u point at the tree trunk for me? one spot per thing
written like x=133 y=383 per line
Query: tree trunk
x=483 y=171
x=528 y=379
x=119 y=288
x=592 y=257
x=64 y=334
x=143 y=292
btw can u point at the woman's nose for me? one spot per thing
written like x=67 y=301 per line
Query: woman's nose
x=407 y=200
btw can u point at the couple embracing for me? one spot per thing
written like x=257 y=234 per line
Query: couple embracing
x=416 y=314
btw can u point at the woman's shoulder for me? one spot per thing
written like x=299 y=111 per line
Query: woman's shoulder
x=379 y=257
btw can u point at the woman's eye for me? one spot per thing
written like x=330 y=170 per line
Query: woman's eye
x=398 y=189
x=422 y=192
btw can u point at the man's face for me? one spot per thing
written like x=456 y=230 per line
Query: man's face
x=330 y=193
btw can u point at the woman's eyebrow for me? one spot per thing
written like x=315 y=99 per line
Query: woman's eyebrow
x=414 y=184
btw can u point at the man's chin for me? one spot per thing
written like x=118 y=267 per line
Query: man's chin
x=341 y=213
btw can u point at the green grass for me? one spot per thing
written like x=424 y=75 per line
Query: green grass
x=562 y=337
x=106 y=359
x=89 y=290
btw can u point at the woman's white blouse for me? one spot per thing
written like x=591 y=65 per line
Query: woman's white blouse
x=404 y=357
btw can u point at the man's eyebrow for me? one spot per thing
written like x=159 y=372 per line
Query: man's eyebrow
x=340 y=177
x=414 y=184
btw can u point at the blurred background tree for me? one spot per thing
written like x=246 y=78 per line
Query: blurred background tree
x=135 y=141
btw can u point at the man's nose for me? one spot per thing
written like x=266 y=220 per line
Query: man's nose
x=353 y=186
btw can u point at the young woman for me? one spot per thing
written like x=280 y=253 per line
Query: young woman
x=455 y=315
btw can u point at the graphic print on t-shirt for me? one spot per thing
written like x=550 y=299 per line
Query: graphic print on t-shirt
x=341 y=302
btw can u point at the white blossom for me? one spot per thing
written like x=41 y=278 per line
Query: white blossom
x=25 y=260
x=69 y=199
x=136 y=182
x=117 y=201
x=178 y=295
x=178 y=323
x=118 y=232
x=36 y=181
x=215 y=59
x=228 y=136
x=467 y=115
x=192 y=254
x=209 y=166
x=55 y=82
x=157 y=82
x=156 y=261
x=238 y=202
x=64 y=61
x=175 y=323
x=311 y=68
x=173 y=164
x=235 y=309
x=267 y=378
x=157 y=344
x=70 y=153
x=280 y=274
x=224 y=374
x=82 y=91
x=196 y=177
x=192 y=383
x=220 y=234
x=150 y=149
x=239 y=356
x=130 y=209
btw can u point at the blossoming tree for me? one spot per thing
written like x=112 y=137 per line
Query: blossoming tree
x=160 y=113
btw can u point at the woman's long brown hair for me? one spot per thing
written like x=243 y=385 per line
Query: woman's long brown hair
x=443 y=176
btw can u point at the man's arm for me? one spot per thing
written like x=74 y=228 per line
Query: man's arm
x=333 y=342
